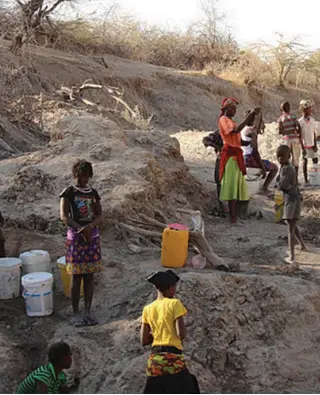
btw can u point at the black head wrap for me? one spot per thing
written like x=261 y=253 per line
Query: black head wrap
x=163 y=280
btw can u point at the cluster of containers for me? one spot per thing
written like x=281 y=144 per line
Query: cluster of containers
x=33 y=271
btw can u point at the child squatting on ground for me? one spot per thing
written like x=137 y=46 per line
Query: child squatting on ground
x=163 y=327
x=287 y=183
x=50 y=378
x=249 y=145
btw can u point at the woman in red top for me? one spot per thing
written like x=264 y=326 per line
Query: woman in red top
x=232 y=166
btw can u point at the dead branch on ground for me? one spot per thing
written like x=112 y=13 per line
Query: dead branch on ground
x=196 y=237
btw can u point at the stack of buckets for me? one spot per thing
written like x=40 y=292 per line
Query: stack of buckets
x=37 y=281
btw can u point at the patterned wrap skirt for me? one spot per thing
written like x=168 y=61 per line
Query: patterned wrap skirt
x=83 y=257
x=167 y=373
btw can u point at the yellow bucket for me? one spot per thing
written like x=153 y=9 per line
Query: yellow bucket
x=67 y=278
x=278 y=206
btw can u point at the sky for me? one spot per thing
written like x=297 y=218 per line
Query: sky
x=250 y=20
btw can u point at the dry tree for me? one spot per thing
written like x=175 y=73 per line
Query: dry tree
x=33 y=15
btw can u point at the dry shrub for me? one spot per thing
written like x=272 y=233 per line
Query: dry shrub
x=136 y=118
x=127 y=37
x=245 y=68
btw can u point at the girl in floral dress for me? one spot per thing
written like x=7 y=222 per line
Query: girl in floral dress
x=80 y=210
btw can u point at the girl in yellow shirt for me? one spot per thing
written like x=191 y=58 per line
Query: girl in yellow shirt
x=163 y=327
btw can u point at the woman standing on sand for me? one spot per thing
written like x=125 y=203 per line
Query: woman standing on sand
x=232 y=165
x=80 y=209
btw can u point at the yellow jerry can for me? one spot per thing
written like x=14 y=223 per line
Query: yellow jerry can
x=174 y=251
x=278 y=206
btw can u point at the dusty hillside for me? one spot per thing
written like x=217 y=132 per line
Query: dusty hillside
x=178 y=100
x=252 y=331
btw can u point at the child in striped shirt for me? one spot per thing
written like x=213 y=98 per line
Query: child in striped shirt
x=50 y=378
x=290 y=129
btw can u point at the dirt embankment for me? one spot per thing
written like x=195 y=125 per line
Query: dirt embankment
x=178 y=100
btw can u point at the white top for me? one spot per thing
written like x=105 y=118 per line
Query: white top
x=34 y=257
x=247 y=150
x=37 y=278
x=308 y=128
x=6 y=263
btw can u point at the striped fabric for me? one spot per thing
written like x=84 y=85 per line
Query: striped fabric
x=289 y=122
x=46 y=375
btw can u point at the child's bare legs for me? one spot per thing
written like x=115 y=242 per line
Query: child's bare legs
x=299 y=238
x=305 y=170
x=297 y=173
x=75 y=299
x=88 y=296
x=233 y=211
x=291 y=237
x=270 y=177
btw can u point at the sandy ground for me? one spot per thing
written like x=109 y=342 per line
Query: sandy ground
x=109 y=359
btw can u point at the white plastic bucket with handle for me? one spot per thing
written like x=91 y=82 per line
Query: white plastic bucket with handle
x=35 y=261
x=38 y=294
x=10 y=273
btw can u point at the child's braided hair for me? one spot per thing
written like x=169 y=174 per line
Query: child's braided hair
x=82 y=166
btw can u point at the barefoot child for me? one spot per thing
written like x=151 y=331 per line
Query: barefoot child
x=163 y=327
x=214 y=140
x=290 y=129
x=50 y=378
x=287 y=183
x=308 y=135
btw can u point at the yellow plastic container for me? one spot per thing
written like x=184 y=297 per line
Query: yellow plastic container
x=66 y=278
x=174 y=252
x=278 y=206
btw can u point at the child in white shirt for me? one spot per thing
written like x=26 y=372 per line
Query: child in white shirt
x=309 y=137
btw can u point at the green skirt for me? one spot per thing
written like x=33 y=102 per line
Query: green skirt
x=233 y=183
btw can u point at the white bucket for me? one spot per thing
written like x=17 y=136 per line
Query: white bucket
x=314 y=174
x=35 y=261
x=9 y=278
x=38 y=294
